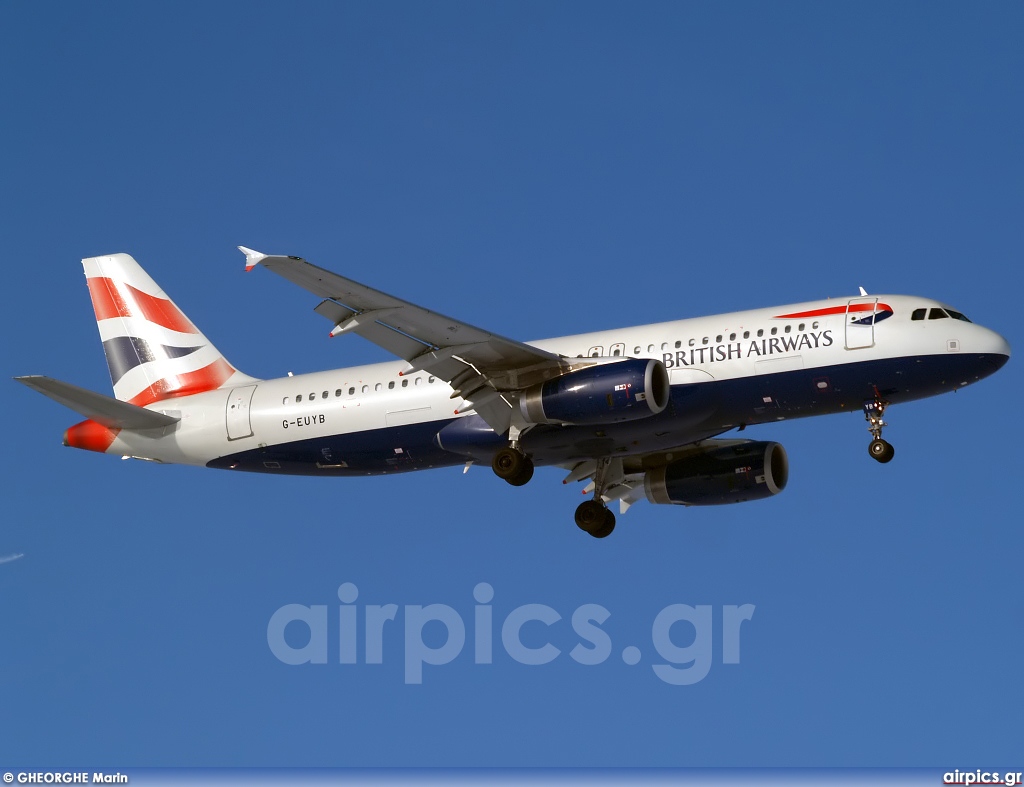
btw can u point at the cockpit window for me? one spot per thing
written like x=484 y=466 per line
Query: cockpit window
x=918 y=314
x=937 y=314
x=957 y=315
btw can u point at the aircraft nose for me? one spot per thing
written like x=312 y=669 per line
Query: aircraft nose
x=997 y=345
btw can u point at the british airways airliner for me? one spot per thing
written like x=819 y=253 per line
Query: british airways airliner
x=635 y=412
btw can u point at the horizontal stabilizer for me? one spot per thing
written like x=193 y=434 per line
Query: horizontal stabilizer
x=104 y=410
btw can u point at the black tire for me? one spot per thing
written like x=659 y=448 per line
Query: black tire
x=881 y=451
x=508 y=463
x=606 y=529
x=524 y=475
x=590 y=516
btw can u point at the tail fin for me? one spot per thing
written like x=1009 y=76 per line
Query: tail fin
x=153 y=350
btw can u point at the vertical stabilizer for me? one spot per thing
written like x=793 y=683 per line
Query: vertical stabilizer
x=153 y=350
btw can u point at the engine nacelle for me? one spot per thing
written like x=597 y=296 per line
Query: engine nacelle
x=726 y=474
x=605 y=394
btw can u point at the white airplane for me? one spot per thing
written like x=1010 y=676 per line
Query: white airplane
x=634 y=411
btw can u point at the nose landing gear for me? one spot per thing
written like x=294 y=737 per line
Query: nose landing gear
x=879 y=449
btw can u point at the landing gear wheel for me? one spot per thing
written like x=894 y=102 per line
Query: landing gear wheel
x=512 y=466
x=881 y=451
x=590 y=517
x=606 y=529
x=524 y=475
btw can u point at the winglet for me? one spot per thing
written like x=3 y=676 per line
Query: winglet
x=252 y=257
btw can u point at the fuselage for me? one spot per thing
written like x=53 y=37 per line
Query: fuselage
x=726 y=372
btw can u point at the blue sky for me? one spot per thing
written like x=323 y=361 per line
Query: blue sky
x=539 y=169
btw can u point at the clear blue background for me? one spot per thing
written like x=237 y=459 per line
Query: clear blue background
x=539 y=169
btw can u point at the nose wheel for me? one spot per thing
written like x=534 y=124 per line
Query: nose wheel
x=880 y=450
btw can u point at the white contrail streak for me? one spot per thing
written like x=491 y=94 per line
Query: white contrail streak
x=11 y=558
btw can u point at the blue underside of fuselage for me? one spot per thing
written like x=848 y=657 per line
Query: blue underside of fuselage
x=695 y=412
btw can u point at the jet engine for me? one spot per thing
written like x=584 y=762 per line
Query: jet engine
x=605 y=394
x=725 y=474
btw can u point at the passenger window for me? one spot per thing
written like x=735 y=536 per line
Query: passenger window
x=746 y=334
x=814 y=325
x=636 y=351
x=327 y=394
x=338 y=392
x=430 y=379
x=366 y=389
x=918 y=314
x=788 y=328
x=732 y=337
x=352 y=391
x=378 y=387
x=285 y=400
x=704 y=340
x=312 y=396
x=416 y=381
x=718 y=339
x=391 y=385
x=800 y=327
x=650 y=348
x=405 y=382
x=774 y=331
x=937 y=314
x=298 y=398
x=760 y=331
x=692 y=342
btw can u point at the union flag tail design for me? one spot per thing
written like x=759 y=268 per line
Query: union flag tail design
x=153 y=350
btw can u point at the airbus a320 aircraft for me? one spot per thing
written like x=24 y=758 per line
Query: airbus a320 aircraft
x=636 y=411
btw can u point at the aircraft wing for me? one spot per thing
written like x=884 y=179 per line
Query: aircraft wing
x=481 y=366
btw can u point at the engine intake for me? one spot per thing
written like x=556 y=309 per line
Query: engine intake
x=726 y=474
x=605 y=394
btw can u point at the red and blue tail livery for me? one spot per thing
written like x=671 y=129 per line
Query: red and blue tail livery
x=153 y=350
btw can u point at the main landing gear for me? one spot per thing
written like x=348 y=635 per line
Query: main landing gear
x=512 y=465
x=593 y=516
x=879 y=449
